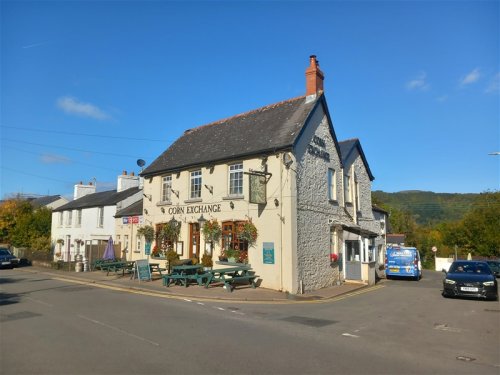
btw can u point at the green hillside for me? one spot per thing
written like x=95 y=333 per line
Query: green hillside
x=425 y=206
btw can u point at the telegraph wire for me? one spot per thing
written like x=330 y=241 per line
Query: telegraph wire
x=73 y=149
x=85 y=134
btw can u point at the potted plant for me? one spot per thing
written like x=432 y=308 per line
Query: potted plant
x=156 y=252
x=233 y=255
x=248 y=231
x=172 y=257
x=206 y=261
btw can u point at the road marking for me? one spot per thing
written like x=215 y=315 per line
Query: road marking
x=219 y=308
x=118 y=330
x=349 y=335
x=40 y=302
x=200 y=303
x=444 y=327
x=250 y=302
x=187 y=300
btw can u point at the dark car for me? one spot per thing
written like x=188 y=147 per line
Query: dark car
x=495 y=267
x=469 y=278
x=7 y=260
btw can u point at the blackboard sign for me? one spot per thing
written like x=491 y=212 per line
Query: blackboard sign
x=142 y=270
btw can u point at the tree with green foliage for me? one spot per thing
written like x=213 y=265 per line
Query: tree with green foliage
x=23 y=226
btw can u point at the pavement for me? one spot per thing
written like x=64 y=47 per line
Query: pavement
x=242 y=293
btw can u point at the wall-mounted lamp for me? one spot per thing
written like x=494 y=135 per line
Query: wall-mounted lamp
x=211 y=169
x=276 y=202
x=210 y=188
x=287 y=160
x=178 y=175
x=174 y=222
x=201 y=220
x=149 y=197
x=145 y=211
x=176 y=192
x=231 y=204
x=162 y=210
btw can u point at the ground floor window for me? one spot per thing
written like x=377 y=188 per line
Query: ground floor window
x=231 y=241
x=352 y=251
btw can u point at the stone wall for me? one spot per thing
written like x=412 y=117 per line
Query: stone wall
x=313 y=207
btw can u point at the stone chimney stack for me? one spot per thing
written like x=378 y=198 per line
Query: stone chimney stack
x=314 y=77
x=82 y=190
x=126 y=181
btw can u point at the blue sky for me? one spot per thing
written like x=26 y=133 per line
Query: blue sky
x=87 y=88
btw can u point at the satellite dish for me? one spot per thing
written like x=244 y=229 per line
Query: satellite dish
x=141 y=163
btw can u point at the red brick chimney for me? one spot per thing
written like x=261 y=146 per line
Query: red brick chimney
x=314 y=77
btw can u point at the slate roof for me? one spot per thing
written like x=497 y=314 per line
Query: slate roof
x=135 y=209
x=347 y=147
x=104 y=198
x=267 y=129
x=44 y=201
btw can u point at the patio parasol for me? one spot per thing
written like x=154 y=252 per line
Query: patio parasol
x=109 y=252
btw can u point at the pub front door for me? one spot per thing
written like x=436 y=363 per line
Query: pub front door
x=194 y=240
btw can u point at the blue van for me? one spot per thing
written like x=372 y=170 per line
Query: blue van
x=403 y=262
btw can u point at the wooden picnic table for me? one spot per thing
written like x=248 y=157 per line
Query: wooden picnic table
x=231 y=275
x=117 y=266
x=155 y=267
x=183 y=274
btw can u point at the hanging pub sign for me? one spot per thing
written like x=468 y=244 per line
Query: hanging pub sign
x=257 y=189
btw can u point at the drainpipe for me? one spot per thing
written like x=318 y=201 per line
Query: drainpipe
x=281 y=224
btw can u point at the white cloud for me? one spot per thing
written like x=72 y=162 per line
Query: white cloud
x=470 y=77
x=494 y=85
x=442 y=98
x=73 y=106
x=54 y=159
x=418 y=83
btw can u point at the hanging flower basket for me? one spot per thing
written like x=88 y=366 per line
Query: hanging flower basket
x=248 y=232
x=147 y=232
x=60 y=241
x=212 y=231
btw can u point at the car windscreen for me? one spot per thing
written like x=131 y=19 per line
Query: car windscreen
x=495 y=266
x=470 y=267
x=4 y=252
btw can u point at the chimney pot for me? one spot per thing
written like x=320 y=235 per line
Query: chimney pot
x=132 y=173
x=124 y=172
x=314 y=77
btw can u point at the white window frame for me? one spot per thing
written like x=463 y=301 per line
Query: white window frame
x=166 y=188
x=125 y=242
x=69 y=218
x=60 y=219
x=100 y=217
x=79 y=218
x=332 y=185
x=235 y=179
x=347 y=188
x=195 y=184
x=356 y=194
x=138 y=244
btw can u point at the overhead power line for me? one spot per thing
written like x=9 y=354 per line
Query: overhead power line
x=85 y=134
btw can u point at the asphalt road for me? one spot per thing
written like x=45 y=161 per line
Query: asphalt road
x=50 y=326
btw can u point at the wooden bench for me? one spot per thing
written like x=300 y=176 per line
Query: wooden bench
x=117 y=267
x=229 y=283
x=184 y=279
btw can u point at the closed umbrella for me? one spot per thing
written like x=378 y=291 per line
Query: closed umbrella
x=109 y=252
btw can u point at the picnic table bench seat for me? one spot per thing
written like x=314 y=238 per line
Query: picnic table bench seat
x=229 y=282
x=184 y=279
